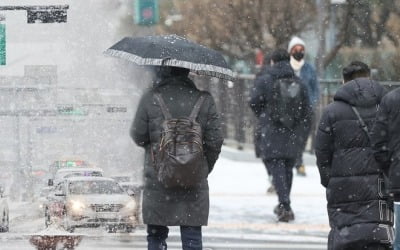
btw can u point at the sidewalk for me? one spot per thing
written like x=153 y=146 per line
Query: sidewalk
x=239 y=203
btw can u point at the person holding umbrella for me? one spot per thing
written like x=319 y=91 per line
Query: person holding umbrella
x=174 y=97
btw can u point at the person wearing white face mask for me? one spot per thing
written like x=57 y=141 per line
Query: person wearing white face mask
x=307 y=74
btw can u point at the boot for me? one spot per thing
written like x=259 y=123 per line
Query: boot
x=301 y=170
x=284 y=212
x=271 y=189
x=278 y=209
x=286 y=215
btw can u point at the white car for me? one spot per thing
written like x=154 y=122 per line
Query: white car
x=91 y=202
x=73 y=172
x=4 y=218
x=134 y=190
x=122 y=178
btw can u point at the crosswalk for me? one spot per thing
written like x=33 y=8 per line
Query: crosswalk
x=210 y=243
x=175 y=245
x=138 y=242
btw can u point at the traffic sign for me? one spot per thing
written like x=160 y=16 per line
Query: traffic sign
x=146 y=12
x=117 y=109
x=41 y=13
x=70 y=110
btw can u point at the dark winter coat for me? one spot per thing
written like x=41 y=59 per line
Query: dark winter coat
x=358 y=211
x=386 y=140
x=175 y=207
x=277 y=142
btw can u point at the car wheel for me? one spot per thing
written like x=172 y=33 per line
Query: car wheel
x=66 y=223
x=128 y=229
x=47 y=219
x=4 y=222
x=112 y=229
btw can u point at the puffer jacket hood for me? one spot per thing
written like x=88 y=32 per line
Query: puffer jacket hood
x=281 y=69
x=360 y=92
x=175 y=80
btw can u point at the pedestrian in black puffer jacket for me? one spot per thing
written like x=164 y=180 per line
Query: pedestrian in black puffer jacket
x=187 y=208
x=385 y=139
x=279 y=144
x=360 y=215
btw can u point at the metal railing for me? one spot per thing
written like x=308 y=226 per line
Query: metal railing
x=238 y=119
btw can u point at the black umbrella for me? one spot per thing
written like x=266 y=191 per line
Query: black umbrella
x=172 y=50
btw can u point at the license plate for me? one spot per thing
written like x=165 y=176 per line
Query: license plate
x=107 y=216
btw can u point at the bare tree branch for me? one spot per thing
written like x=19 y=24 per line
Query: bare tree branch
x=342 y=37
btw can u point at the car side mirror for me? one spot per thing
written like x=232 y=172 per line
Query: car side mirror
x=50 y=182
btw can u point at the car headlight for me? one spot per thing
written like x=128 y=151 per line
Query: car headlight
x=131 y=205
x=77 y=206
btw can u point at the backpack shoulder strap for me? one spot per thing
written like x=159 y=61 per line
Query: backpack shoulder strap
x=362 y=123
x=197 y=107
x=163 y=106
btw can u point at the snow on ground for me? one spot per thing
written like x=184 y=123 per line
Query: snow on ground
x=25 y=217
x=239 y=202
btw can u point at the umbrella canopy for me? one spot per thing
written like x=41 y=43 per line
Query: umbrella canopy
x=172 y=50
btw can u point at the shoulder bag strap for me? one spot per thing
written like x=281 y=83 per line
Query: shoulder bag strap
x=163 y=106
x=197 y=107
x=362 y=123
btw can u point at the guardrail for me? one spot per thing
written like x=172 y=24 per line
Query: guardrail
x=238 y=119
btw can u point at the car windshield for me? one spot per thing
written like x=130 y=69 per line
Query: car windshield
x=78 y=173
x=85 y=173
x=122 y=178
x=95 y=187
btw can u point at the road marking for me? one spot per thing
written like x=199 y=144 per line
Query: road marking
x=252 y=195
x=222 y=245
x=274 y=226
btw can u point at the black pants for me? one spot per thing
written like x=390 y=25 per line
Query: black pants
x=190 y=236
x=266 y=164
x=378 y=247
x=308 y=132
x=282 y=177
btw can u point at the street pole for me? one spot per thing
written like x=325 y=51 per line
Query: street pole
x=2 y=40
x=323 y=13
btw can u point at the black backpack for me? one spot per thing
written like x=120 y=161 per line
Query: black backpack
x=179 y=158
x=286 y=102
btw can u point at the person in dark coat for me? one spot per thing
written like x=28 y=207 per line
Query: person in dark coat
x=360 y=215
x=280 y=145
x=307 y=74
x=258 y=142
x=385 y=139
x=187 y=208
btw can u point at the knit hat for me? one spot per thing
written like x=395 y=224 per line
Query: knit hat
x=295 y=41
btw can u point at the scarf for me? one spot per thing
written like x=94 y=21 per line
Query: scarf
x=296 y=65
